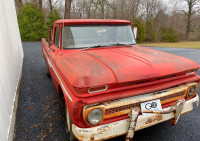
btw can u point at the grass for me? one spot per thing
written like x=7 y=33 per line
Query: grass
x=195 y=44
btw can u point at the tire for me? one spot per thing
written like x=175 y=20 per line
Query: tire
x=47 y=71
x=69 y=132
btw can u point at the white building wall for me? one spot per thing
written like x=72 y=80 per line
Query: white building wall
x=11 y=58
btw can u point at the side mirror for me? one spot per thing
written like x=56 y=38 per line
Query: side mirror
x=135 y=32
x=49 y=36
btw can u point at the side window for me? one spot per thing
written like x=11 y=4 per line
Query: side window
x=57 y=37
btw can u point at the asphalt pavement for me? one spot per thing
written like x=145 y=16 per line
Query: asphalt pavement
x=40 y=114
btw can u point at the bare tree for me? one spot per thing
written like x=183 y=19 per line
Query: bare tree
x=34 y=2
x=174 y=11
x=134 y=9
x=113 y=6
x=152 y=7
x=40 y=4
x=100 y=4
x=156 y=12
x=52 y=5
x=86 y=8
x=68 y=4
x=193 y=8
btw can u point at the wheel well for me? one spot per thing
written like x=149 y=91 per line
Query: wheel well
x=60 y=93
x=61 y=96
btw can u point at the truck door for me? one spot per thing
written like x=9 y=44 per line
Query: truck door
x=54 y=49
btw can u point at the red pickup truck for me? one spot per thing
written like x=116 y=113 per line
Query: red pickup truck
x=111 y=85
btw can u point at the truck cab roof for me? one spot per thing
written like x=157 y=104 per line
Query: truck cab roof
x=90 y=21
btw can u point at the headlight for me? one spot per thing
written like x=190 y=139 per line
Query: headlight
x=192 y=90
x=95 y=116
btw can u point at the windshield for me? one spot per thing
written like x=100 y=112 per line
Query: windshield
x=96 y=36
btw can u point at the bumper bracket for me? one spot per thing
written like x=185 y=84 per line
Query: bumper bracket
x=133 y=120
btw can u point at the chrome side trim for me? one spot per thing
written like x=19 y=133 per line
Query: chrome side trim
x=49 y=62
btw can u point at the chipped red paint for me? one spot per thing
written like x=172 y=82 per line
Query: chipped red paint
x=127 y=70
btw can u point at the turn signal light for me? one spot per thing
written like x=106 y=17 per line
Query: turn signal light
x=190 y=72
x=192 y=90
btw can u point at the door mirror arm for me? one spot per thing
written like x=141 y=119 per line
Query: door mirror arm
x=135 y=31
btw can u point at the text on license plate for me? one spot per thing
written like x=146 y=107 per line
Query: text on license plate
x=153 y=105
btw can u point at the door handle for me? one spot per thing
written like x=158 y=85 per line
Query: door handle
x=50 y=49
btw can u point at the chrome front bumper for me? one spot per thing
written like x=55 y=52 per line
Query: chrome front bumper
x=125 y=126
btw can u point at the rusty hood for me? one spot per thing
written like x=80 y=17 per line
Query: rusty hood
x=94 y=67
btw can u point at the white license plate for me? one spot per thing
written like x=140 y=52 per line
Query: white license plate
x=154 y=105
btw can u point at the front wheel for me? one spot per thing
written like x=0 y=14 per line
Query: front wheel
x=69 y=132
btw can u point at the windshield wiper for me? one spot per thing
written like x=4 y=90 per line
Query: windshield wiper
x=110 y=45
x=118 y=44
x=97 y=46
